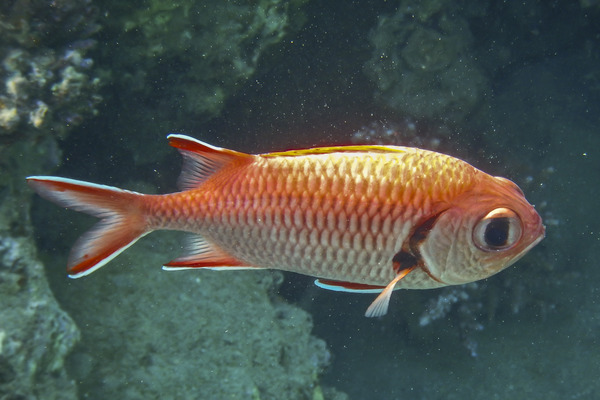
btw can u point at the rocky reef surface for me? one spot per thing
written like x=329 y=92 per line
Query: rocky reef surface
x=49 y=87
x=422 y=62
x=50 y=84
x=195 y=52
x=182 y=61
x=35 y=333
x=439 y=59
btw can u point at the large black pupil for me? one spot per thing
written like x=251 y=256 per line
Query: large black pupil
x=496 y=232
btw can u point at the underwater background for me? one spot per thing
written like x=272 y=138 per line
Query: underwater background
x=90 y=90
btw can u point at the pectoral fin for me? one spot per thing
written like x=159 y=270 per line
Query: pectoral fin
x=403 y=263
x=380 y=306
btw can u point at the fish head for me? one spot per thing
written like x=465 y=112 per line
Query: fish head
x=483 y=231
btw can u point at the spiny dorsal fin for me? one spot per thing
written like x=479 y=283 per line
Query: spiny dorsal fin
x=379 y=307
x=201 y=160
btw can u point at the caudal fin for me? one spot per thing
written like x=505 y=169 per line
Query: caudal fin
x=121 y=224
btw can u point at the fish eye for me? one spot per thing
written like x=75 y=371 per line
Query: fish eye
x=500 y=229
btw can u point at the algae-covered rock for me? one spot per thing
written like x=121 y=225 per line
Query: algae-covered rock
x=200 y=334
x=35 y=334
x=422 y=63
x=48 y=88
x=181 y=61
x=50 y=83
x=208 y=47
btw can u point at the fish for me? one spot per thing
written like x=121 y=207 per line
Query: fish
x=359 y=218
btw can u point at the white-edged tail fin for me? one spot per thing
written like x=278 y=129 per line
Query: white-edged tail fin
x=122 y=220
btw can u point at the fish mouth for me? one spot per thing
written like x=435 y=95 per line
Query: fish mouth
x=541 y=234
x=538 y=230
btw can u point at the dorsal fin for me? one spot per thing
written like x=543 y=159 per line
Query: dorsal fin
x=339 y=149
x=201 y=160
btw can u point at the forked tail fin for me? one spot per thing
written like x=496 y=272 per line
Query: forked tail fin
x=122 y=219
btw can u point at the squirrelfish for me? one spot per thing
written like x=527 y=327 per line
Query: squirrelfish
x=359 y=218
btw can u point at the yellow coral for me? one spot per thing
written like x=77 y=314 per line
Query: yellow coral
x=36 y=116
x=8 y=117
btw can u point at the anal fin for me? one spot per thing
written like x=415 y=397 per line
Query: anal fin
x=202 y=254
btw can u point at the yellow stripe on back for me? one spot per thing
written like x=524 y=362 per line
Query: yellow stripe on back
x=338 y=149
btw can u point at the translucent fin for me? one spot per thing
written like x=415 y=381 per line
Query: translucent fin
x=379 y=307
x=201 y=160
x=202 y=254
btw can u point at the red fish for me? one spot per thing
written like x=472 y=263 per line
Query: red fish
x=360 y=218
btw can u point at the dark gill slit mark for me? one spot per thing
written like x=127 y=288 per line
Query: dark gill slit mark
x=410 y=255
x=403 y=260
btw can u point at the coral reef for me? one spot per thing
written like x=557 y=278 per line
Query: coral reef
x=210 y=47
x=50 y=84
x=49 y=87
x=35 y=334
x=181 y=61
x=422 y=63
x=437 y=59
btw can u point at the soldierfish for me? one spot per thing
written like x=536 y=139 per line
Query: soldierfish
x=359 y=218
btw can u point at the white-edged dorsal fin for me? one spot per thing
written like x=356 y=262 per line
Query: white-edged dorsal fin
x=201 y=160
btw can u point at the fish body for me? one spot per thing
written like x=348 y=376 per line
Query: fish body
x=360 y=218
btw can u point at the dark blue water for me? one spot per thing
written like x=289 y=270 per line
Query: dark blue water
x=512 y=88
